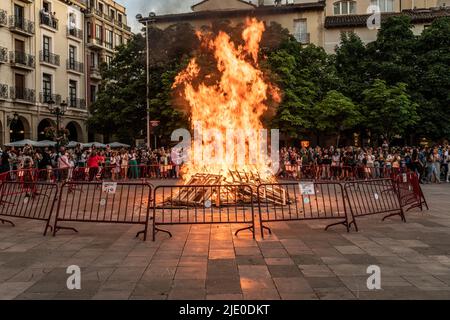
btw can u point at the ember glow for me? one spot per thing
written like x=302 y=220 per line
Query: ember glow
x=226 y=115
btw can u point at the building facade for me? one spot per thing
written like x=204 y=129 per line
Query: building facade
x=106 y=29
x=319 y=22
x=42 y=62
x=45 y=60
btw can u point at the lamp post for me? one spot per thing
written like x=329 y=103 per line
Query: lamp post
x=151 y=19
x=58 y=111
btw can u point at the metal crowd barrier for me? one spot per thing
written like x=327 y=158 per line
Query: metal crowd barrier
x=410 y=192
x=27 y=200
x=96 y=202
x=203 y=204
x=303 y=201
x=371 y=197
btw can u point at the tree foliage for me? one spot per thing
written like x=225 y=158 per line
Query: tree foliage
x=396 y=85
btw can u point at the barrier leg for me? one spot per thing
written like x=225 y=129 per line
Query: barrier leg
x=251 y=228
x=56 y=229
x=3 y=221
x=156 y=230
x=402 y=216
x=263 y=227
x=345 y=223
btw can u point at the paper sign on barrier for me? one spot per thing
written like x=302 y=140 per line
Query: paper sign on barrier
x=307 y=189
x=109 y=187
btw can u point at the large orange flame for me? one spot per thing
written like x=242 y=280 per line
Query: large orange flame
x=235 y=102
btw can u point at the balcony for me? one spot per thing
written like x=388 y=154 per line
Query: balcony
x=303 y=38
x=47 y=20
x=45 y=98
x=76 y=103
x=3 y=18
x=75 y=66
x=3 y=55
x=75 y=33
x=23 y=94
x=21 y=26
x=95 y=73
x=107 y=17
x=94 y=43
x=22 y=60
x=3 y=91
x=50 y=59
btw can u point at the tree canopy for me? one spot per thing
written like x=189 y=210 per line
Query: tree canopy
x=394 y=86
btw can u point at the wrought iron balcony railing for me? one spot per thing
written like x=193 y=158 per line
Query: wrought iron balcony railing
x=46 y=97
x=74 y=32
x=22 y=58
x=3 y=91
x=48 y=20
x=3 y=55
x=76 y=103
x=3 y=18
x=24 y=94
x=75 y=66
x=21 y=24
x=48 y=57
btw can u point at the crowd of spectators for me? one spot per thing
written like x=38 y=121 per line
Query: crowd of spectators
x=430 y=163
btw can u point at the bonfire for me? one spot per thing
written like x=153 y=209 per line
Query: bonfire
x=231 y=108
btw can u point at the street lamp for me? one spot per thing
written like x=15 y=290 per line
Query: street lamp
x=151 y=19
x=58 y=111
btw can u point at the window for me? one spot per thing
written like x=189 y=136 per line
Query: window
x=109 y=39
x=72 y=21
x=46 y=49
x=119 y=17
x=93 y=94
x=384 y=5
x=72 y=56
x=73 y=93
x=301 y=31
x=108 y=60
x=47 y=87
x=98 y=32
x=94 y=60
x=100 y=7
x=19 y=85
x=119 y=40
x=47 y=7
x=112 y=13
x=18 y=13
x=344 y=7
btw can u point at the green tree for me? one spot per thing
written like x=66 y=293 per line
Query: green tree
x=120 y=108
x=336 y=113
x=351 y=65
x=388 y=110
x=392 y=56
x=305 y=75
x=432 y=88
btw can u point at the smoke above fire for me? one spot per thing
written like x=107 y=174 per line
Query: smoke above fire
x=229 y=108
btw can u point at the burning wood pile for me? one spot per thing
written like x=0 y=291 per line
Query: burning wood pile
x=216 y=190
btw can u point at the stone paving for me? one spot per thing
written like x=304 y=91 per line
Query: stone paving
x=299 y=261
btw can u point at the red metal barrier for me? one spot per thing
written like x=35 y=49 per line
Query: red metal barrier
x=371 y=197
x=96 y=202
x=303 y=201
x=203 y=204
x=410 y=192
x=27 y=200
